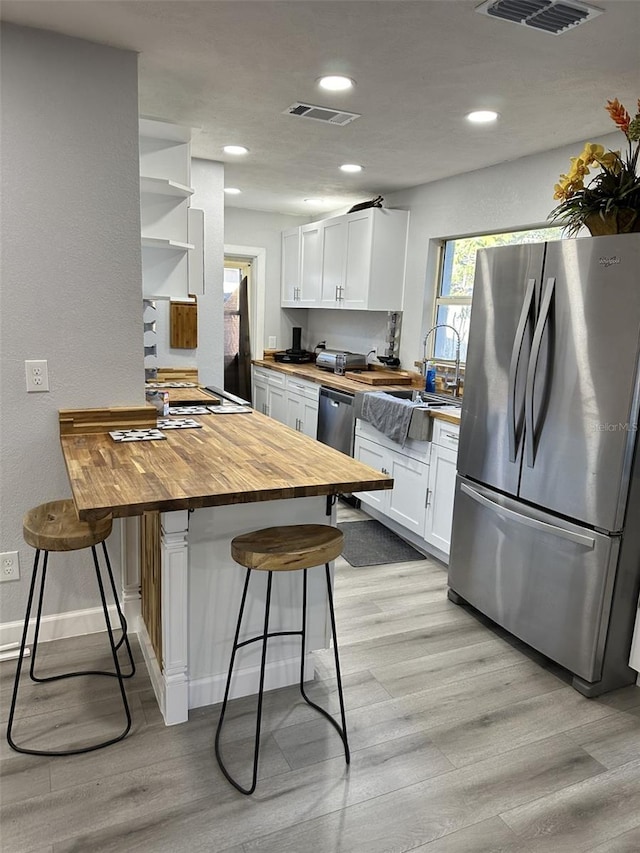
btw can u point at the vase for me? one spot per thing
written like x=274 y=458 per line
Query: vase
x=621 y=221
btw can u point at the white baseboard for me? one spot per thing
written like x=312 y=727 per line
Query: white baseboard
x=73 y=623
x=282 y=673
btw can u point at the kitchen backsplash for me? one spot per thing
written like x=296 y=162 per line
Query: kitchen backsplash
x=357 y=331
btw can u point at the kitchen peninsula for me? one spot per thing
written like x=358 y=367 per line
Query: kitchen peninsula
x=195 y=490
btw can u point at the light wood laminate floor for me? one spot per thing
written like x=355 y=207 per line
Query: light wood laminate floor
x=462 y=742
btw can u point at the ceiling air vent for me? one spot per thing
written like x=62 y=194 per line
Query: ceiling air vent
x=321 y=114
x=551 y=16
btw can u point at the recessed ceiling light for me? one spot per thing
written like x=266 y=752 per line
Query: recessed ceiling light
x=482 y=116
x=336 y=83
x=351 y=167
x=314 y=201
x=235 y=149
x=232 y=191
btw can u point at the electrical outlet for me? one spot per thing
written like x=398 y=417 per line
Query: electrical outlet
x=9 y=566
x=37 y=373
x=272 y=341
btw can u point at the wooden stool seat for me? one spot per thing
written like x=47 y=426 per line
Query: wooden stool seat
x=55 y=526
x=288 y=548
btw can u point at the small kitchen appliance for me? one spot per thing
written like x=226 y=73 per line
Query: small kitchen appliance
x=294 y=355
x=341 y=360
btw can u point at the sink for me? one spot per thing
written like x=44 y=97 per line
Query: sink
x=421 y=425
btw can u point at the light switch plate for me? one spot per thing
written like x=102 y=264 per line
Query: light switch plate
x=272 y=342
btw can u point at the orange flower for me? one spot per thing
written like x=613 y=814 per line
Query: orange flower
x=618 y=113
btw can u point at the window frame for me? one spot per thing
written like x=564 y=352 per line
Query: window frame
x=439 y=300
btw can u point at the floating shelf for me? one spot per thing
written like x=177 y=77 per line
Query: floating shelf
x=154 y=129
x=162 y=186
x=162 y=243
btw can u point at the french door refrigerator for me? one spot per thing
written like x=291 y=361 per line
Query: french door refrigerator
x=546 y=528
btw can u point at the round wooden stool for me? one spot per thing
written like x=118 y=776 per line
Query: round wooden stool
x=284 y=549
x=54 y=526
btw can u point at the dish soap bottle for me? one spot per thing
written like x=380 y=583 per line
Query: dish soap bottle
x=430 y=378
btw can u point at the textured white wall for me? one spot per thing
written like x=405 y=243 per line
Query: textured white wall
x=513 y=195
x=70 y=284
x=258 y=228
x=207 y=179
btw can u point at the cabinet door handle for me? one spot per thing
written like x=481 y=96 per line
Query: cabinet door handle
x=337 y=297
x=427 y=498
x=452 y=436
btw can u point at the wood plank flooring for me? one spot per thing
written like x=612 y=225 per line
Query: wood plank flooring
x=462 y=741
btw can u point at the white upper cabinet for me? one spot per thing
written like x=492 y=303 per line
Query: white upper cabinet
x=290 y=267
x=355 y=261
x=166 y=232
x=310 y=265
x=334 y=250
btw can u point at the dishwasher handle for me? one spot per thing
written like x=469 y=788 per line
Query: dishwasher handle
x=336 y=396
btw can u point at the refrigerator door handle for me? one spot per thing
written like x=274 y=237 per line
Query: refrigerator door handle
x=578 y=538
x=531 y=372
x=516 y=353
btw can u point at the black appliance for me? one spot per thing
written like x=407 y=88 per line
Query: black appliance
x=295 y=355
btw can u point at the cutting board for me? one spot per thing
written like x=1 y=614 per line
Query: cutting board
x=378 y=377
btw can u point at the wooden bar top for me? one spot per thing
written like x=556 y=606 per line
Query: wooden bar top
x=233 y=458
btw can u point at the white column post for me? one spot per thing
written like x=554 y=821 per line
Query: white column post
x=175 y=604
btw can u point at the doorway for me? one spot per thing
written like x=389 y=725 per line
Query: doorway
x=237 y=337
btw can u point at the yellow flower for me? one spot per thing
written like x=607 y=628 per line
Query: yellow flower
x=611 y=161
x=579 y=167
x=592 y=153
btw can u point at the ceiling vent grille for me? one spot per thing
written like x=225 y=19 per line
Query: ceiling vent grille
x=328 y=116
x=551 y=16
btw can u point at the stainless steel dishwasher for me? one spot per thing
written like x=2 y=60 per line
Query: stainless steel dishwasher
x=335 y=420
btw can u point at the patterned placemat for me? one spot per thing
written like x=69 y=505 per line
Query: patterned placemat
x=136 y=435
x=231 y=409
x=171 y=385
x=189 y=410
x=178 y=423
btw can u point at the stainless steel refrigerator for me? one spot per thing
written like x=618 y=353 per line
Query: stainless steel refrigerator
x=546 y=526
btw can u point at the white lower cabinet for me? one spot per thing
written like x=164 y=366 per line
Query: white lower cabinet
x=269 y=393
x=424 y=473
x=286 y=399
x=442 y=483
x=405 y=503
x=302 y=406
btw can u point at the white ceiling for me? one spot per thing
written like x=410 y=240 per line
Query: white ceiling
x=230 y=68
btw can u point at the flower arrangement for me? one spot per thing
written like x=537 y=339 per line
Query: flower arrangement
x=610 y=202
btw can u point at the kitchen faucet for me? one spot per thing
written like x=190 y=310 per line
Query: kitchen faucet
x=456 y=386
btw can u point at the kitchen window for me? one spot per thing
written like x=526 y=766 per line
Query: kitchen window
x=453 y=300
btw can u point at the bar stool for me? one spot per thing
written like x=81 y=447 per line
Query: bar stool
x=284 y=549
x=55 y=526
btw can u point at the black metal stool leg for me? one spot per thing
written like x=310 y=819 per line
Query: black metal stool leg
x=123 y=625
x=236 y=646
x=23 y=644
x=114 y=652
x=123 y=622
x=342 y=730
x=36 y=633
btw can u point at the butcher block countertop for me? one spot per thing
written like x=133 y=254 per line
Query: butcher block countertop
x=340 y=383
x=330 y=379
x=233 y=458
